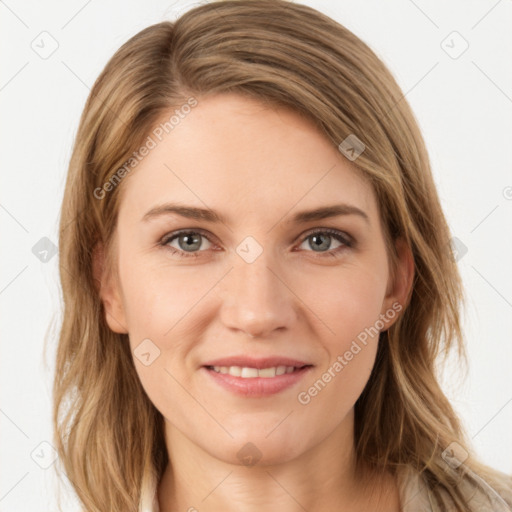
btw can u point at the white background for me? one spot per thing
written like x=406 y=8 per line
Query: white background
x=463 y=106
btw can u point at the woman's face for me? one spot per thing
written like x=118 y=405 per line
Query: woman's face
x=270 y=288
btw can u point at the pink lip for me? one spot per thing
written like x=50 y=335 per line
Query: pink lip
x=259 y=363
x=257 y=386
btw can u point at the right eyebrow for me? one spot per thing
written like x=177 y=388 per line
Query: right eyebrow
x=326 y=212
x=190 y=212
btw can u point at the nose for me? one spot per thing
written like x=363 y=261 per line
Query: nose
x=257 y=300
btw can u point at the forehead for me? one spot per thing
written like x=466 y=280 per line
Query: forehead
x=239 y=156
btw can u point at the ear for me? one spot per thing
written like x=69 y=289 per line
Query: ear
x=399 y=284
x=109 y=292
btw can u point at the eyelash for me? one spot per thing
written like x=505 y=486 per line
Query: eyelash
x=346 y=240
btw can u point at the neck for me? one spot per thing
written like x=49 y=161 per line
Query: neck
x=322 y=478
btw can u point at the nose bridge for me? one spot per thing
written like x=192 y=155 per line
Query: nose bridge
x=256 y=300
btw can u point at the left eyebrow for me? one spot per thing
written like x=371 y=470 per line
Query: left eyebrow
x=327 y=212
x=212 y=216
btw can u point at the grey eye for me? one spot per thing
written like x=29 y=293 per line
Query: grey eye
x=188 y=242
x=321 y=242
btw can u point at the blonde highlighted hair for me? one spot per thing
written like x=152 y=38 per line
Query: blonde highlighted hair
x=108 y=434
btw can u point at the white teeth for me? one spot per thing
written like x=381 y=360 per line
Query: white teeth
x=249 y=373
x=236 y=371
x=280 y=370
x=266 y=372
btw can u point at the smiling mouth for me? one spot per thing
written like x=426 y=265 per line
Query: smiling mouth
x=246 y=372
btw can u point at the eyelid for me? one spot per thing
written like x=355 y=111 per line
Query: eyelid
x=343 y=237
x=348 y=239
x=174 y=234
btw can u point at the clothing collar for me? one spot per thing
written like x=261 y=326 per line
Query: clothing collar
x=414 y=494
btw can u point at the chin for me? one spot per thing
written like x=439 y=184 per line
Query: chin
x=257 y=450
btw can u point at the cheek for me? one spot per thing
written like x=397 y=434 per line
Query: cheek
x=167 y=305
x=349 y=301
x=349 y=306
x=157 y=297
x=161 y=306
x=351 y=310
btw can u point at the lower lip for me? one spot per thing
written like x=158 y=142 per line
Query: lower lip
x=257 y=386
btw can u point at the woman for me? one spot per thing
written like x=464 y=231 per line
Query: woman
x=258 y=280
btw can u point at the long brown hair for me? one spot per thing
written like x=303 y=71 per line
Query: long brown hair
x=108 y=434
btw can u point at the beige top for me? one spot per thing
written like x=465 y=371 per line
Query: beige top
x=415 y=495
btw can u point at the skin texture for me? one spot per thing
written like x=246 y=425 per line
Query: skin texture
x=257 y=166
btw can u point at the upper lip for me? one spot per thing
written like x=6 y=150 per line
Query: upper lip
x=259 y=363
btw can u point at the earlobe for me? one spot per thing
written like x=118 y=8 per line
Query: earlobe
x=108 y=290
x=399 y=289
